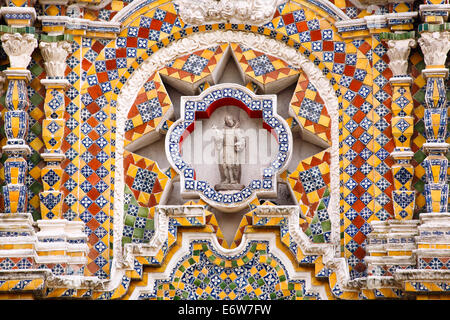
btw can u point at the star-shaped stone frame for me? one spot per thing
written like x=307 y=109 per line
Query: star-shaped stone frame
x=202 y=106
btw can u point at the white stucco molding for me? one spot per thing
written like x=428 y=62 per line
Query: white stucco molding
x=256 y=12
x=205 y=40
x=291 y=213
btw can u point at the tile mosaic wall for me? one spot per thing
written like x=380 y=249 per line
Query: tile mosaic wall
x=97 y=69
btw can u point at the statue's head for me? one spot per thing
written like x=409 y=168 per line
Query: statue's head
x=229 y=121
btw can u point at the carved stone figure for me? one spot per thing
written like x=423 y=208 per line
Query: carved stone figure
x=229 y=143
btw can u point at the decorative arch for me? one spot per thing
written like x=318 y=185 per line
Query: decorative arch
x=323 y=70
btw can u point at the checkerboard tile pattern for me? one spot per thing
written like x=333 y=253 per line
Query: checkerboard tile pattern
x=71 y=142
x=138 y=220
x=97 y=142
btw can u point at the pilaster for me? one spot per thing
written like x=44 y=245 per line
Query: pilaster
x=54 y=54
x=391 y=244
x=403 y=195
x=62 y=244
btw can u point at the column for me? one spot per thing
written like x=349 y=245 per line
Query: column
x=66 y=254
x=403 y=195
x=391 y=244
x=433 y=242
x=54 y=54
x=435 y=46
x=17 y=241
x=19 y=48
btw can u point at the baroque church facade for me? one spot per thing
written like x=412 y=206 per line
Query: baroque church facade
x=224 y=149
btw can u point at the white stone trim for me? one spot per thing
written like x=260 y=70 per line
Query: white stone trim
x=205 y=40
x=258 y=15
x=270 y=237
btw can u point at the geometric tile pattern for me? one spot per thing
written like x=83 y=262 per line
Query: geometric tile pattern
x=365 y=144
x=358 y=71
x=36 y=94
x=196 y=67
x=256 y=274
x=310 y=182
x=97 y=70
x=151 y=103
x=309 y=106
x=145 y=180
x=261 y=68
x=138 y=220
x=96 y=145
x=346 y=64
x=318 y=229
x=418 y=138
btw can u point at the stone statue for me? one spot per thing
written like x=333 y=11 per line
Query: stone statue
x=229 y=143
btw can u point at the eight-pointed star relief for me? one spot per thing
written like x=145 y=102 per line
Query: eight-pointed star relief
x=230 y=63
x=202 y=106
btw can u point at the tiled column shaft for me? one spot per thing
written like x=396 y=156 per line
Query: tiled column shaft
x=70 y=259
x=18 y=47
x=435 y=46
x=55 y=54
x=403 y=195
x=433 y=241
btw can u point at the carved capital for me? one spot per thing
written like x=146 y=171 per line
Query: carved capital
x=55 y=54
x=398 y=54
x=435 y=46
x=19 y=48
